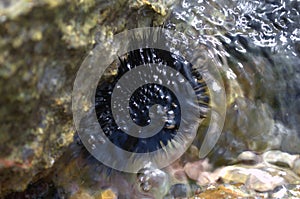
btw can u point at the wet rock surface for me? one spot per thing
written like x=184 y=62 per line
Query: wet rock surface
x=77 y=174
x=42 y=46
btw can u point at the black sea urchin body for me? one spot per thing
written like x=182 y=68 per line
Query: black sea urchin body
x=145 y=97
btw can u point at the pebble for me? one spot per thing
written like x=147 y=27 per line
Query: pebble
x=200 y=172
x=290 y=192
x=179 y=191
x=296 y=166
x=262 y=181
x=223 y=192
x=272 y=169
x=80 y=195
x=108 y=194
x=248 y=157
x=279 y=158
x=233 y=174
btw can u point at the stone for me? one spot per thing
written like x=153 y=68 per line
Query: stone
x=272 y=169
x=41 y=48
x=222 y=192
x=179 y=191
x=80 y=195
x=290 y=191
x=200 y=171
x=262 y=181
x=248 y=157
x=279 y=158
x=296 y=166
x=234 y=174
x=108 y=194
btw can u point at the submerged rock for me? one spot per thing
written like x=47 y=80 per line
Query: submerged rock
x=266 y=174
x=42 y=45
x=240 y=191
x=296 y=166
x=248 y=157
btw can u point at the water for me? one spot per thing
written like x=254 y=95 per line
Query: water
x=259 y=40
